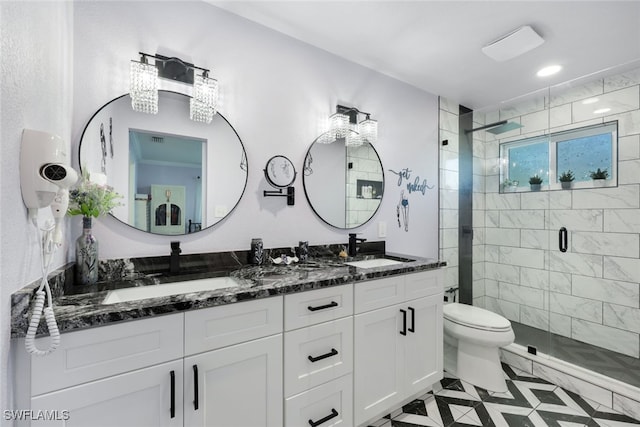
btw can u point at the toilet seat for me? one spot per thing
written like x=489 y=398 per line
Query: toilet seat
x=475 y=317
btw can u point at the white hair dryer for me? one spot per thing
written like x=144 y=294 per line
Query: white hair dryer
x=45 y=178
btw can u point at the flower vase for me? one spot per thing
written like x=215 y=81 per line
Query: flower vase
x=86 y=255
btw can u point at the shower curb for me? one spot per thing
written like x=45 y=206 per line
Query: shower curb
x=613 y=394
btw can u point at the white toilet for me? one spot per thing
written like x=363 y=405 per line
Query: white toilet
x=472 y=339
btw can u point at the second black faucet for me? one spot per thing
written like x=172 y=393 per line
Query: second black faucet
x=353 y=244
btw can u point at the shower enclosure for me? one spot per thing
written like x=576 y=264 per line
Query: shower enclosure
x=562 y=263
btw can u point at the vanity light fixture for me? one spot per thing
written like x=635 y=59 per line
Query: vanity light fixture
x=145 y=81
x=144 y=86
x=344 y=126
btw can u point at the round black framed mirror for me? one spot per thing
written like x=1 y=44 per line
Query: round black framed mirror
x=344 y=184
x=280 y=172
x=176 y=176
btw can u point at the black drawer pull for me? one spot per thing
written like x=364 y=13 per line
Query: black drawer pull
x=563 y=239
x=333 y=352
x=322 y=307
x=173 y=393
x=413 y=320
x=404 y=322
x=333 y=414
x=195 y=387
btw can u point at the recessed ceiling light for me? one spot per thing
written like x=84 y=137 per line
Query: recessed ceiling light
x=548 y=71
x=602 y=111
x=590 y=101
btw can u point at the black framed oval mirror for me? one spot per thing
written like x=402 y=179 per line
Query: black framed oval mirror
x=176 y=176
x=280 y=172
x=344 y=184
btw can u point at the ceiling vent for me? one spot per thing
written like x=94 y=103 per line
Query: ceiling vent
x=513 y=44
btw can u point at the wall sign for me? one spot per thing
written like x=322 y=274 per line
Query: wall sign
x=420 y=186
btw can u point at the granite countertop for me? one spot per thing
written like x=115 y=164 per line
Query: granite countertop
x=79 y=308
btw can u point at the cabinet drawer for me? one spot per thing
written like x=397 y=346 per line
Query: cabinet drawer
x=379 y=293
x=225 y=325
x=321 y=305
x=317 y=354
x=331 y=402
x=422 y=284
x=96 y=353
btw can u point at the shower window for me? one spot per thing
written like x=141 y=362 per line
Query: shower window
x=581 y=151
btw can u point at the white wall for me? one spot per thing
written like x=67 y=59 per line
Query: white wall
x=275 y=91
x=35 y=84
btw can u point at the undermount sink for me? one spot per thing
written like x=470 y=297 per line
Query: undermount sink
x=376 y=262
x=168 y=289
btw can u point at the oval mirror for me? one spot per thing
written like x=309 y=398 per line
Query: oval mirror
x=343 y=183
x=176 y=176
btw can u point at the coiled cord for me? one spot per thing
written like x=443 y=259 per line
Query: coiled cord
x=46 y=249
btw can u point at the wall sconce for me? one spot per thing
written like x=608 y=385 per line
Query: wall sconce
x=144 y=85
x=344 y=125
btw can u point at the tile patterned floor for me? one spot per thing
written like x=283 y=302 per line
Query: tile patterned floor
x=530 y=402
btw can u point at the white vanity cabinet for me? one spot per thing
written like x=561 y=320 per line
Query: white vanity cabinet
x=397 y=340
x=238 y=382
x=318 y=357
x=136 y=373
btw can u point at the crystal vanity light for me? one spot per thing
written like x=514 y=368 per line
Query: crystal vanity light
x=344 y=125
x=145 y=81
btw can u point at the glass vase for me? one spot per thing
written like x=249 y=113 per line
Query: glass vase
x=86 y=255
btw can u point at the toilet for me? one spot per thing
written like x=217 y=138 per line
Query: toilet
x=472 y=340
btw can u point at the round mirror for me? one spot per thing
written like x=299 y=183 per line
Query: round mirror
x=343 y=183
x=280 y=172
x=176 y=176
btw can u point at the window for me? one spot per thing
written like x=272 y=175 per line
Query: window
x=580 y=151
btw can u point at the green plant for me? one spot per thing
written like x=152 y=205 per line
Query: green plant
x=90 y=199
x=567 y=176
x=535 y=180
x=599 y=174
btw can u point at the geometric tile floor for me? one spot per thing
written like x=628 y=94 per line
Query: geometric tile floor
x=530 y=402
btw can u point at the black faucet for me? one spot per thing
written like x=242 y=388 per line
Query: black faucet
x=353 y=244
x=174 y=261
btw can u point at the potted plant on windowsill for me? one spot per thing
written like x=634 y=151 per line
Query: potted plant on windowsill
x=566 y=179
x=509 y=185
x=599 y=177
x=535 y=182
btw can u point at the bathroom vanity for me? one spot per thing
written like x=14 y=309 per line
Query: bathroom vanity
x=321 y=343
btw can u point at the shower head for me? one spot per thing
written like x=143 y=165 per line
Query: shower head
x=497 y=127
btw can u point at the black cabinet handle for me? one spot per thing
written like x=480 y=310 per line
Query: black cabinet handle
x=333 y=414
x=413 y=320
x=563 y=239
x=322 y=307
x=195 y=387
x=404 y=322
x=333 y=352
x=173 y=393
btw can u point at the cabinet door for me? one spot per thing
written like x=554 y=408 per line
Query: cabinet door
x=423 y=355
x=237 y=386
x=141 y=398
x=378 y=363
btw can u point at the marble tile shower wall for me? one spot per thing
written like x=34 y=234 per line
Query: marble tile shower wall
x=448 y=128
x=591 y=292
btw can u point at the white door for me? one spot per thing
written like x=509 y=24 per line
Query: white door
x=167 y=209
x=237 y=386
x=423 y=355
x=378 y=362
x=150 y=397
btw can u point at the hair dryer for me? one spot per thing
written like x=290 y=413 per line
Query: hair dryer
x=44 y=180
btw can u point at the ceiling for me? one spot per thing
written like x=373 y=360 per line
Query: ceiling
x=436 y=45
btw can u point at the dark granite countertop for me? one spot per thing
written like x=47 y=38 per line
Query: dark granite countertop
x=79 y=307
